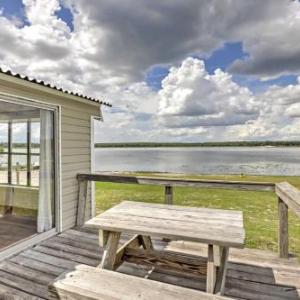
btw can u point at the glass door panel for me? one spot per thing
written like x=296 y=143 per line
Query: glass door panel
x=27 y=168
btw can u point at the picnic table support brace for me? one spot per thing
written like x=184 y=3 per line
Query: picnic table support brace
x=146 y=242
x=110 y=251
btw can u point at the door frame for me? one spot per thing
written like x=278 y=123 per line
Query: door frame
x=30 y=241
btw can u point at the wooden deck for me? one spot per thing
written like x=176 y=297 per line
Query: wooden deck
x=252 y=274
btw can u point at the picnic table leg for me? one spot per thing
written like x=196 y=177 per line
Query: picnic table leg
x=110 y=250
x=221 y=277
x=103 y=237
x=211 y=271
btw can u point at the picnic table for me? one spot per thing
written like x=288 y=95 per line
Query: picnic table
x=219 y=229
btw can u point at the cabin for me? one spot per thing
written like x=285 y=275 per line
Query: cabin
x=46 y=138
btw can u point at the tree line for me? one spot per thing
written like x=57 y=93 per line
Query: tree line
x=204 y=144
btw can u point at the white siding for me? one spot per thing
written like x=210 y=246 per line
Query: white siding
x=75 y=139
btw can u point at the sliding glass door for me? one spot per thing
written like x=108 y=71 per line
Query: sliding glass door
x=27 y=172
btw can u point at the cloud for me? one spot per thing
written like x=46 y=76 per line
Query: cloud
x=129 y=41
x=117 y=44
x=195 y=106
x=271 y=38
x=190 y=97
x=114 y=44
x=279 y=116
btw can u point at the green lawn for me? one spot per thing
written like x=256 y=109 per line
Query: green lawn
x=260 y=208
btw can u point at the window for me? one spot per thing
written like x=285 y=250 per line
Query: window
x=20 y=152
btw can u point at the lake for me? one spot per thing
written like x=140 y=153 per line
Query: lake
x=202 y=160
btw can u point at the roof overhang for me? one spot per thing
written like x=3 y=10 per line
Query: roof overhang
x=46 y=87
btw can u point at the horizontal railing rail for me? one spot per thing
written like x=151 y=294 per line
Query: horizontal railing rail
x=204 y=183
x=288 y=196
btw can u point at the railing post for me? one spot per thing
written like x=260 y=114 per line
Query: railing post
x=283 y=236
x=18 y=173
x=168 y=194
x=82 y=201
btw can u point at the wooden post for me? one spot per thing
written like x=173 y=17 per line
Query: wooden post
x=168 y=194
x=18 y=173
x=168 y=200
x=82 y=201
x=283 y=236
x=221 y=276
x=211 y=271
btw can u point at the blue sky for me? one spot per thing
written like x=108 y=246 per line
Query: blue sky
x=15 y=8
x=122 y=55
x=220 y=58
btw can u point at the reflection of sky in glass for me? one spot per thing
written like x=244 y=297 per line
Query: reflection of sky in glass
x=35 y=132
x=19 y=134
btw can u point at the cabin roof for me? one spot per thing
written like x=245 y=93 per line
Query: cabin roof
x=53 y=87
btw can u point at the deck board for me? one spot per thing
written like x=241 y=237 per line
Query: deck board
x=252 y=274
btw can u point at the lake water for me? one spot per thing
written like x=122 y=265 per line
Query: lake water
x=203 y=160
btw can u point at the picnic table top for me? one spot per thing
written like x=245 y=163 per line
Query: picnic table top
x=204 y=225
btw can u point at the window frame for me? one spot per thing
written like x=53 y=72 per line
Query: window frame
x=10 y=153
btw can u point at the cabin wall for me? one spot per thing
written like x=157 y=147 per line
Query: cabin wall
x=75 y=142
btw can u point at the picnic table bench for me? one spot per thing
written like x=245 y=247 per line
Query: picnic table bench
x=219 y=229
x=98 y=284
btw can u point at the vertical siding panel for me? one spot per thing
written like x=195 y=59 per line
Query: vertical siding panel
x=77 y=157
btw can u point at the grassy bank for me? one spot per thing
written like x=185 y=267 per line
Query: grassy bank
x=260 y=208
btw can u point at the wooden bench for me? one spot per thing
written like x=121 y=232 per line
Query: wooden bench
x=94 y=283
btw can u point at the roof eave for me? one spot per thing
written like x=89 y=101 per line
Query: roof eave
x=44 y=87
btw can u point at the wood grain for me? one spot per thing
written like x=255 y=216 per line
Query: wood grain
x=211 y=226
x=82 y=199
x=251 y=274
x=283 y=236
x=93 y=283
x=239 y=185
x=289 y=195
x=110 y=251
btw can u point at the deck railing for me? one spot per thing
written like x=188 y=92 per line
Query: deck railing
x=288 y=196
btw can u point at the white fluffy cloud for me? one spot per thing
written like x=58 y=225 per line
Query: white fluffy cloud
x=190 y=97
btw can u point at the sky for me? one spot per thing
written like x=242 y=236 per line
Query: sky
x=182 y=71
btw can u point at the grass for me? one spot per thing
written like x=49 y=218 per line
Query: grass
x=260 y=208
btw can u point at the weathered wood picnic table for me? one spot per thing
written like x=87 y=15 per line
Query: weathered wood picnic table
x=219 y=229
